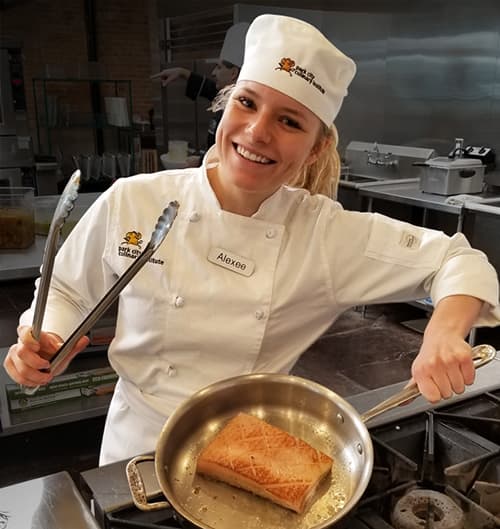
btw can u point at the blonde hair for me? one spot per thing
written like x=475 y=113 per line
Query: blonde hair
x=320 y=177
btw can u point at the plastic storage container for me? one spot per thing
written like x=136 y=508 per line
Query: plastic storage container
x=17 y=219
x=45 y=207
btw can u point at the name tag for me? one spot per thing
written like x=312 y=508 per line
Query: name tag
x=231 y=261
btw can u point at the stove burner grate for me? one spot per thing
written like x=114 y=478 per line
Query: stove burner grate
x=132 y=518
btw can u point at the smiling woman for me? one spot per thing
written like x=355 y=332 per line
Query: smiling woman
x=321 y=175
x=258 y=264
x=264 y=140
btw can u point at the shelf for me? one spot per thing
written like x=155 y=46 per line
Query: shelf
x=88 y=126
x=78 y=80
x=81 y=104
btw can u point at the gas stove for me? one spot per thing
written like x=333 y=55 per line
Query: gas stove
x=438 y=469
x=433 y=469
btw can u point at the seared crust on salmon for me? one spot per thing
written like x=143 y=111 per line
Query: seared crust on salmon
x=253 y=455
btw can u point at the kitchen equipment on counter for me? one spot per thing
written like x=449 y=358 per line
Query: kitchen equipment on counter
x=378 y=161
x=117 y=111
x=179 y=156
x=451 y=176
x=45 y=207
x=149 y=160
x=377 y=164
x=301 y=407
x=16 y=149
x=485 y=154
x=89 y=164
x=177 y=150
x=17 y=218
x=192 y=160
x=109 y=165
x=458 y=150
x=124 y=163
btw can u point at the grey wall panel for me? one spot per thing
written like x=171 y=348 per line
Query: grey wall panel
x=442 y=66
x=428 y=71
x=363 y=112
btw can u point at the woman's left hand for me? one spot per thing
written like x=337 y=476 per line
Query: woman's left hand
x=443 y=366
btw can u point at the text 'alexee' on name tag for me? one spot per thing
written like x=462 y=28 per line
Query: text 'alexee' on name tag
x=231 y=261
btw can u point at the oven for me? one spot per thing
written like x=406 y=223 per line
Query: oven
x=434 y=469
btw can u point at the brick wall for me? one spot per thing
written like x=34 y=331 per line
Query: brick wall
x=54 y=40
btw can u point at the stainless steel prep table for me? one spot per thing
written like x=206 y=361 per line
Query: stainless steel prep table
x=410 y=193
x=51 y=502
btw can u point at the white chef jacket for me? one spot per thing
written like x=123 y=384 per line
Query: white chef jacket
x=226 y=294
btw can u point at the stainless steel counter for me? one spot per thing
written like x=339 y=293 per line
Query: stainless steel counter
x=25 y=264
x=22 y=264
x=409 y=193
x=360 y=182
x=51 y=502
x=488 y=205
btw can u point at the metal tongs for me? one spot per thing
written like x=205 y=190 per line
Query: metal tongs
x=64 y=206
x=163 y=225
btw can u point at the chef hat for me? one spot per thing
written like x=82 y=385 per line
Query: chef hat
x=295 y=58
x=234 y=44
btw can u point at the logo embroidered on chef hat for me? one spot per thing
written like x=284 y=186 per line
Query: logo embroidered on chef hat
x=288 y=65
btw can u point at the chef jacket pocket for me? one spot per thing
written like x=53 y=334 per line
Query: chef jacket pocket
x=401 y=243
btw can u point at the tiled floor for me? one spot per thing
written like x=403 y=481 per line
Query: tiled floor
x=358 y=353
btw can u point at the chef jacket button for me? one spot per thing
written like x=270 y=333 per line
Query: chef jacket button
x=194 y=217
x=259 y=314
x=271 y=233
x=179 y=302
x=171 y=371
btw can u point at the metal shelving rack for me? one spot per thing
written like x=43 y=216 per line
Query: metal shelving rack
x=48 y=118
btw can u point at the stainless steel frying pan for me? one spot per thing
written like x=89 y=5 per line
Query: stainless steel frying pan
x=303 y=408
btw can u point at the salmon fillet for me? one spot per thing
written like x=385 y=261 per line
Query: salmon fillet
x=253 y=455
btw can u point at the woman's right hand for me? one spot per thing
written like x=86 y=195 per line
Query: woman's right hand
x=26 y=359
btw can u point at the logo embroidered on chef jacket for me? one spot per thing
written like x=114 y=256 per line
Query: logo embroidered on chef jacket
x=288 y=65
x=231 y=261
x=409 y=240
x=134 y=238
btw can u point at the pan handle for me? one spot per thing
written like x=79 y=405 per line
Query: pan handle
x=481 y=355
x=137 y=488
